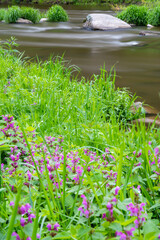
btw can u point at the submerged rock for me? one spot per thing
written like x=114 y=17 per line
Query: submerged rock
x=149 y=33
x=22 y=20
x=104 y=22
x=43 y=20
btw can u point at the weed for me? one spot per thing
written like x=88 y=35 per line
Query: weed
x=57 y=14
x=31 y=14
x=12 y=14
x=134 y=14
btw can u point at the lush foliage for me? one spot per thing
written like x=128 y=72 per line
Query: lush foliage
x=134 y=14
x=31 y=14
x=47 y=95
x=83 y=173
x=12 y=14
x=2 y=14
x=57 y=14
x=154 y=16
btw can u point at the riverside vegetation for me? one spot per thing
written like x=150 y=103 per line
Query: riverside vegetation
x=55 y=14
x=141 y=15
x=72 y=164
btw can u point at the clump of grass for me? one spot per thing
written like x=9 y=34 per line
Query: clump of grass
x=12 y=14
x=154 y=16
x=31 y=14
x=57 y=14
x=134 y=14
x=2 y=13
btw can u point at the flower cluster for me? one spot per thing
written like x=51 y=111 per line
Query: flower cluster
x=84 y=210
x=137 y=210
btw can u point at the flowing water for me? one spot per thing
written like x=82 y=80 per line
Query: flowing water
x=136 y=58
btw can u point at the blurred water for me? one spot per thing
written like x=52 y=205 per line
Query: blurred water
x=136 y=58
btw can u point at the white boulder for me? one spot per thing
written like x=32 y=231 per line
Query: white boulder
x=104 y=22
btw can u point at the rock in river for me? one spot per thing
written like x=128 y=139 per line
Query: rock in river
x=21 y=20
x=104 y=22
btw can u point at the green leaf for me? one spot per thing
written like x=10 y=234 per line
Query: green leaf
x=97 y=236
x=47 y=238
x=2 y=220
x=116 y=226
x=129 y=221
x=3 y=190
x=150 y=227
x=69 y=201
x=83 y=231
x=63 y=235
x=28 y=229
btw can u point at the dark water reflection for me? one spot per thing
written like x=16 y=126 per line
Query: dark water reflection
x=137 y=58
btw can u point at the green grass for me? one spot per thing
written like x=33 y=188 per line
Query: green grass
x=47 y=94
x=134 y=14
x=57 y=14
x=31 y=14
x=2 y=13
x=154 y=16
x=12 y=14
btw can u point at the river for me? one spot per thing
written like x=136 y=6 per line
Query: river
x=136 y=58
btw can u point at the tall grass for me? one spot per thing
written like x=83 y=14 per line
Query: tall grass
x=47 y=94
x=83 y=166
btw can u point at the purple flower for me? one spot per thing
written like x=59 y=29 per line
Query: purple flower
x=28 y=238
x=29 y=175
x=122 y=235
x=22 y=210
x=30 y=217
x=81 y=210
x=38 y=236
x=11 y=203
x=49 y=226
x=56 y=225
x=22 y=221
x=109 y=205
x=130 y=233
x=86 y=213
x=17 y=236
x=117 y=190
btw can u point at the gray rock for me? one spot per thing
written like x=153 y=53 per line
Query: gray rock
x=43 y=20
x=104 y=22
x=149 y=26
x=149 y=33
x=24 y=21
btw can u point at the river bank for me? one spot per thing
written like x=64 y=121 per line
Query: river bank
x=70 y=157
x=71 y=2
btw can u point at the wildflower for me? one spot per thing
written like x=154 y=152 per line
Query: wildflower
x=11 y=203
x=49 y=226
x=137 y=211
x=85 y=208
x=56 y=225
x=38 y=236
x=117 y=190
x=16 y=235
x=122 y=235
x=29 y=175
x=22 y=221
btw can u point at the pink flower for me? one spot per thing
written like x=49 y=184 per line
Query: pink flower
x=56 y=225
x=22 y=221
x=11 y=204
x=117 y=190
x=38 y=236
x=49 y=226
